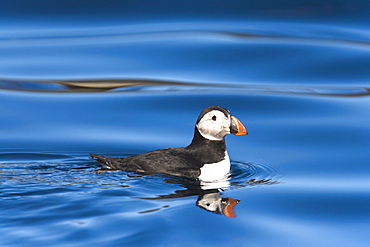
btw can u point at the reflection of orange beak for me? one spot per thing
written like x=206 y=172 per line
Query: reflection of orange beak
x=237 y=128
x=228 y=210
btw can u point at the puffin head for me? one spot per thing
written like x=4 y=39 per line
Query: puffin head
x=215 y=122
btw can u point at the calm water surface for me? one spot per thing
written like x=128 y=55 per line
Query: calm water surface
x=124 y=77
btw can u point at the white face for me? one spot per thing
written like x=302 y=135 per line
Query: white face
x=214 y=125
x=210 y=202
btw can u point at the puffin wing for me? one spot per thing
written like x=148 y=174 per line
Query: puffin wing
x=164 y=161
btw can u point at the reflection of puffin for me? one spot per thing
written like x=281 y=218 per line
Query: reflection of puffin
x=208 y=199
x=214 y=203
x=205 y=158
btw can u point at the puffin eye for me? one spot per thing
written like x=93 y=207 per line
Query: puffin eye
x=214 y=118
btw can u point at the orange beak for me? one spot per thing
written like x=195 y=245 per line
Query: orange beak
x=237 y=128
x=228 y=210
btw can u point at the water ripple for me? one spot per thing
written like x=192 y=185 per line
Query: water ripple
x=156 y=86
x=249 y=174
x=54 y=174
x=241 y=32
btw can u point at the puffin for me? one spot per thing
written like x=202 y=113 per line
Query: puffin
x=205 y=158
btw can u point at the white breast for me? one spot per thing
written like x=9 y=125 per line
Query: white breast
x=216 y=171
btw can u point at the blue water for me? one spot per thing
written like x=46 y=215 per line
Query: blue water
x=122 y=78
